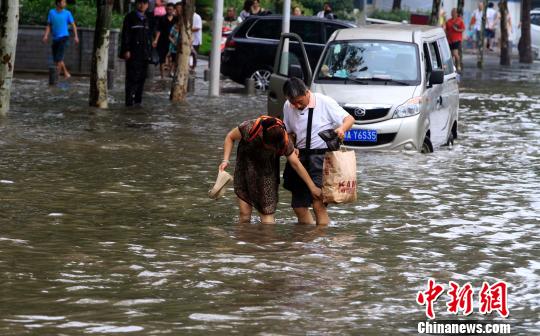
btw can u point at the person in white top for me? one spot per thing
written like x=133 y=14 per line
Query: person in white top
x=326 y=12
x=492 y=18
x=196 y=29
x=476 y=22
x=326 y=114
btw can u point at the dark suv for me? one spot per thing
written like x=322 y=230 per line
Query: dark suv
x=251 y=48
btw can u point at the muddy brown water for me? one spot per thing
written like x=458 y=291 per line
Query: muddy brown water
x=106 y=228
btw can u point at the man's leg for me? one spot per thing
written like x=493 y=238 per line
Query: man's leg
x=130 y=83
x=455 y=55
x=142 y=69
x=245 y=211
x=66 y=72
x=303 y=215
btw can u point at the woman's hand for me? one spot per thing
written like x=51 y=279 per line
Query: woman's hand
x=223 y=165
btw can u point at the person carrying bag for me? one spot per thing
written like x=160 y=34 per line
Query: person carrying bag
x=305 y=115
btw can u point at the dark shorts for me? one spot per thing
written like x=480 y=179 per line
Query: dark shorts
x=58 y=49
x=455 y=45
x=490 y=33
x=301 y=196
x=173 y=58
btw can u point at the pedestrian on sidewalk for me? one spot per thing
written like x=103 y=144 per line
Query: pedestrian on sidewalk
x=161 y=39
x=136 y=49
x=174 y=44
x=256 y=175
x=454 y=32
x=475 y=24
x=492 y=18
x=58 y=22
x=196 y=29
x=305 y=115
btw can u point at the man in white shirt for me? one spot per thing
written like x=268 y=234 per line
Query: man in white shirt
x=492 y=17
x=476 y=22
x=326 y=114
x=196 y=29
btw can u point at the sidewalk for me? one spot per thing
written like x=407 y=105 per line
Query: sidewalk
x=492 y=70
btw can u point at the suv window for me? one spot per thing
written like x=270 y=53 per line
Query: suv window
x=309 y=31
x=330 y=29
x=267 y=29
x=535 y=19
x=446 y=56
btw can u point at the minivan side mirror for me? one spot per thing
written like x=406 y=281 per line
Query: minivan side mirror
x=436 y=77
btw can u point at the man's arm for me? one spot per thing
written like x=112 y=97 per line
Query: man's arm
x=75 y=32
x=125 y=40
x=46 y=34
x=348 y=122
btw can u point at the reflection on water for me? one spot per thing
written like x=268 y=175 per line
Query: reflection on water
x=106 y=226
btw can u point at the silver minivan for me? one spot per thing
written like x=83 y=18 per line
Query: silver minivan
x=397 y=81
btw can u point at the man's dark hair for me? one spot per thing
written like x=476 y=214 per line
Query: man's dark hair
x=294 y=87
x=57 y=2
x=327 y=3
x=490 y=5
x=170 y=4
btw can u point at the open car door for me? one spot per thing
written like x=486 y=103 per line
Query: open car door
x=291 y=61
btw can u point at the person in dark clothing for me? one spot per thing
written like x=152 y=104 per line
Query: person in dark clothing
x=161 y=39
x=136 y=49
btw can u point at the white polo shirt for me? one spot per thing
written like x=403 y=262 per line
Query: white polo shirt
x=326 y=114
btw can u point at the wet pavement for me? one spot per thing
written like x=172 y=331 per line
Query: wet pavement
x=106 y=227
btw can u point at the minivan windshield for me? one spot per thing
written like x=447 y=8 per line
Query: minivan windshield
x=370 y=62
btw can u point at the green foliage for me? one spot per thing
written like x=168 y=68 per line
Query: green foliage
x=206 y=43
x=34 y=12
x=396 y=15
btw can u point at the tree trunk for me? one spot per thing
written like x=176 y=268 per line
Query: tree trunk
x=100 y=55
x=9 y=25
x=524 y=44
x=434 y=19
x=179 y=85
x=505 y=50
x=396 y=5
x=480 y=55
x=460 y=5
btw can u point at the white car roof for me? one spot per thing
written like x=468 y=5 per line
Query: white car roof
x=393 y=32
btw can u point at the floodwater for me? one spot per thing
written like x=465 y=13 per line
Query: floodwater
x=106 y=228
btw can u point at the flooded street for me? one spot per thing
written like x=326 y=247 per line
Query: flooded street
x=106 y=227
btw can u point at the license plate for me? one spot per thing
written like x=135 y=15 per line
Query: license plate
x=361 y=135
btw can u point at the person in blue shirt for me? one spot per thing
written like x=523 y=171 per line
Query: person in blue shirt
x=58 y=22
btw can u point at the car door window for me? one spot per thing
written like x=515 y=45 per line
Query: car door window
x=266 y=29
x=434 y=56
x=309 y=31
x=446 y=55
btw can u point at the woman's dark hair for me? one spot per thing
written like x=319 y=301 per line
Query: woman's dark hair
x=274 y=133
x=247 y=5
x=294 y=87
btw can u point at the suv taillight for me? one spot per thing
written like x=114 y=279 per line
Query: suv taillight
x=230 y=43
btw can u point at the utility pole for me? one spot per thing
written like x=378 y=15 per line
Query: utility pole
x=215 y=53
x=9 y=25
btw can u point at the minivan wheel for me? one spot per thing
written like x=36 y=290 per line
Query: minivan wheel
x=427 y=147
x=261 y=78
